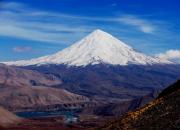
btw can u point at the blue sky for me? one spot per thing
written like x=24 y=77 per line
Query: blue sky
x=33 y=28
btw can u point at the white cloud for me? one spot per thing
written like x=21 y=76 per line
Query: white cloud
x=114 y=4
x=31 y=24
x=19 y=21
x=21 y=49
x=172 y=55
x=10 y=5
x=141 y=24
x=32 y=34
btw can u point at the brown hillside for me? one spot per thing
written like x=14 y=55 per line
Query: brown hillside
x=7 y=118
x=162 y=113
x=22 y=89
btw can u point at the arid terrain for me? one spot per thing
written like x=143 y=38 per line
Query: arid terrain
x=22 y=89
x=162 y=113
x=89 y=64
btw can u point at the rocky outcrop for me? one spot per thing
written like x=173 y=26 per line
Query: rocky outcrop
x=162 y=113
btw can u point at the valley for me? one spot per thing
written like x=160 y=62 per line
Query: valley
x=143 y=118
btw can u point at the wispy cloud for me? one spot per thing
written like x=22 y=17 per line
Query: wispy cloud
x=10 y=5
x=21 y=49
x=30 y=24
x=172 y=55
x=20 y=21
x=114 y=4
x=33 y=34
x=141 y=24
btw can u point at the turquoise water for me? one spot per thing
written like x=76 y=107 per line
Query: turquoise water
x=70 y=115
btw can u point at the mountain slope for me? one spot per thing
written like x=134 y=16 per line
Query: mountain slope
x=14 y=76
x=22 y=89
x=7 y=118
x=26 y=98
x=109 y=81
x=162 y=113
x=98 y=47
x=134 y=85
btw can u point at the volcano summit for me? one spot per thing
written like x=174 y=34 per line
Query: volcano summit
x=96 y=48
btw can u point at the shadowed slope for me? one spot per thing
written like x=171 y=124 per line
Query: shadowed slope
x=162 y=113
x=170 y=89
x=114 y=84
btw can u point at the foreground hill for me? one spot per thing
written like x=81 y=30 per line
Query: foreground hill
x=7 y=118
x=162 y=113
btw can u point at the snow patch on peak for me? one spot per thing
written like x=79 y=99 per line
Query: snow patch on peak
x=98 y=47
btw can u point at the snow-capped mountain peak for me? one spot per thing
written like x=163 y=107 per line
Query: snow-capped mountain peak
x=98 y=47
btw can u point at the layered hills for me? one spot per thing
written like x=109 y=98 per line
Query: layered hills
x=100 y=74
x=104 y=68
x=22 y=89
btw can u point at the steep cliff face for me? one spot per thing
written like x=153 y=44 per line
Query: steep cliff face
x=162 y=113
